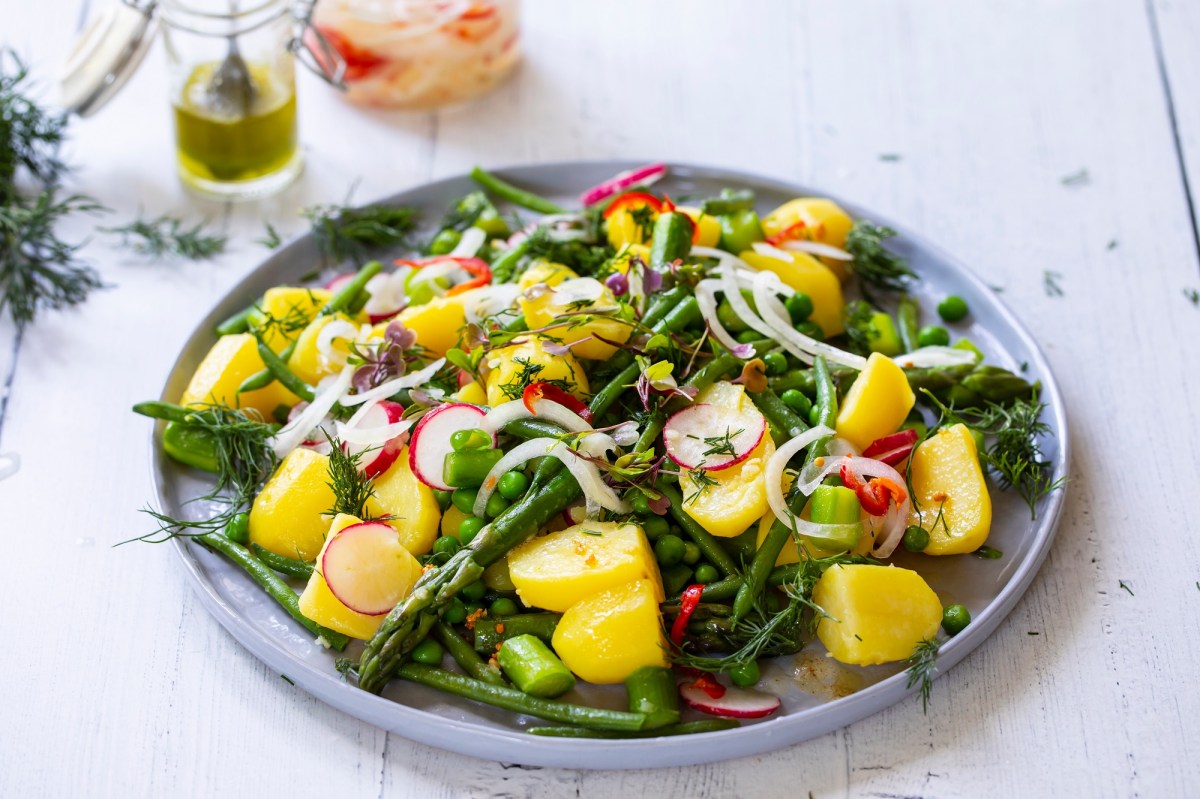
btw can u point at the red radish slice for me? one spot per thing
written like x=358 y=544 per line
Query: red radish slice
x=378 y=459
x=621 y=181
x=338 y=283
x=431 y=440
x=387 y=296
x=367 y=568
x=712 y=437
x=735 y=703
x=574 y=514
x=892 y=449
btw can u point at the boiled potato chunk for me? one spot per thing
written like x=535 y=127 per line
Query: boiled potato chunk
x=230 y=361
x=438 y=323
x=413 y=508
x=514 y=367
x=879 y=613
x=319 y=603
x=807 y=274
x=877 y=403
x=739 y=496
x=286 y=515
x=606 y=637
x=291 y=307
x=632 y=223
x=471 y=392
x=946 y=474
x=547 y=272
x=708 y=227
x=824 y=221
x=593 y=322
x=557 y=570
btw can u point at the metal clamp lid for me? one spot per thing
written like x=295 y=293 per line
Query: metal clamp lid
x=312 y=49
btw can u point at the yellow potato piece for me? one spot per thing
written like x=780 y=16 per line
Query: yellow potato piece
x=606 y=637
x=411 y=504
x=557 y=570
x=438 y=323
x=807 y=274
x=877 y=403
x=230 y=361
x=622 y=228
x=286 y=517
x=318 y=602
x=473 y=393
x=708 y=227
x=293 y=308
x=547 y=272
x=879 y=613
x=824 y=221
x=946 y=475
x=307 y=362
x=514 y=367
x=547 y=308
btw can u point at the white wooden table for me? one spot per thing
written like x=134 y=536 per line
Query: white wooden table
x=959 y=119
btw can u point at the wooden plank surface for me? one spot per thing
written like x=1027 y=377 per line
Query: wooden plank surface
x=961 y=120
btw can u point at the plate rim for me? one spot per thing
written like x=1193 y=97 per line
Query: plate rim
x=514 y=746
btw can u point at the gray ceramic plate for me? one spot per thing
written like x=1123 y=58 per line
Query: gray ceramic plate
x=818 y=695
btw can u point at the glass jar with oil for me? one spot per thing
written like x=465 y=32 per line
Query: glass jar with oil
x=233 y=94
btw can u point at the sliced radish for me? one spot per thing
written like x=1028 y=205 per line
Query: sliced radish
x=431 y=440
x=367 y=568
x=712 y=437
x=338 y=283
x=892 y=449
x=734 y=703
x=387 y=295
x=378 y=458
x=644 y=176
x=575 y=513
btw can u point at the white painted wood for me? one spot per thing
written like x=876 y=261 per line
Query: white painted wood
x=117 y=682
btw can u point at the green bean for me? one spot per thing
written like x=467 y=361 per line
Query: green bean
x=908 y=314
x=505 y=266
x=465 y=655
x=516 y=325
x=286 y=377
x=278 y=590
x=651 y=690
x=468 y=469
x=509 y=192
x=518 y=702
x=672 y=238
x=729 y=202
x=713 y=552
x=490 y=632
x=265 y=377
x=686 y=728
x=238 y=323
x=779 y=415
x=348 y=294
x=164 y=410
x=533 y=668
x=192 y=446
x=292 y=567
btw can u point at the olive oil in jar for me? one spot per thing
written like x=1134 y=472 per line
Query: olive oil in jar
x=216 y=146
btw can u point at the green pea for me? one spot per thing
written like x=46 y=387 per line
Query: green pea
x=656 y=527
x=640 y=503
x=812 y=330
x=669 y=550
x=796 y=401
x=955 y=619
x=745 y=675
x=443 y=498
x=444 y=242
x=474 y=592
x=933 y=336
x=800 y=307
x=503 y=607
x=468 y=528
x=707 y=573
x=814 y=417
x=953 y=308
x=470 y=439
x=456 y=612
x=776 y=363
x=238 y=528
x=916 y=538
x=446 y=545
x=428 y=652
x=748 y=336
x=512 y=485
x=496 y=505
x=691 y=553
x=464 y=499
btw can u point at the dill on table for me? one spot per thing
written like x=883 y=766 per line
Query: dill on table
x=169 y=236
x=345 y=233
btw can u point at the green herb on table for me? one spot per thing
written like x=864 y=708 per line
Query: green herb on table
x=988 y=553
x=1192 y=295
x=1112 y=244
x=346 y=233
x=1050 y=283
x=271 y=238
x=877 y=266
x=169 y=236
x=1080 y=178
x=891 y=157
x=922 y=666
x=1123 y=585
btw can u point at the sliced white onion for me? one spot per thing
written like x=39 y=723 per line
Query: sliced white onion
x=733 y=293
x=338 y=328
x=487 y=301
x=625 y=433
x=771 y=251
x=935 y=356
x=840 y=446
x=554 y=219
x=889 y=532
x=472 y=239
x=818 y=248
x=296 y=431
x=385 y=390
x=430 y=274
x=360 y=414
x=594 y=489
x=597 y=445
x=706 y=300
x=773 y=473
x=566 y=235
x=550 y=411
x=775 y=314
x=814 y=475
x=387 y=293
x=578 y=289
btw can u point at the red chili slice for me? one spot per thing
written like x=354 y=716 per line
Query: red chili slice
x=875 y=494
x=892 y=449
x=687 y=606
x=635 y=199
x=536 y=391
x=708 y=685
x=789 y=233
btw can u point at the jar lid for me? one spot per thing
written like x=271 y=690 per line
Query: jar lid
x=105 y=56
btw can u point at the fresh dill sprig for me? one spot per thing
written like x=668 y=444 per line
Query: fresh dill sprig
x=346 y=233
x=877 y=266
x=351 y=488
x=294 y=319
x=30 y=136
x=860 y=330
x=245 y=460
x=722 y=445
x=169 y=236
x=922 y=665
x=585 y=259
x=271 y=238
x=528 y=373
x=1050 y=283
x=702 y=480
